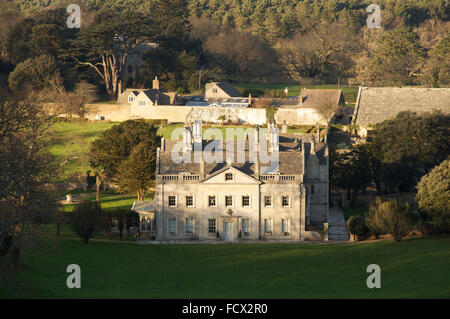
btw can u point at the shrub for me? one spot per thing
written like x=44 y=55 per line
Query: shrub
x=254 y=92
x=433 y=196
x=270 y=113
x=86 y=219
x=390 y=217
x=356 y=225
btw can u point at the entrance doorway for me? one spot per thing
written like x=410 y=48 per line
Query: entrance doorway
x=228 y=231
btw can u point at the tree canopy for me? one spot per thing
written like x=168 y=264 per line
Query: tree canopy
x=116 y=144
x=433 y=195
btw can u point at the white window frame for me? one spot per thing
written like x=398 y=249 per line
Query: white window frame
x=142 y=103
x=248 y=226
x=271 y=201
x=289 y=201
x=168 y=227
x=215 y=225
x=130 y=98
x=193 y=225
x=193 y=201
x=215 y=200
x=270 y=224
x=232 y=200
x=168 y=201
x=287 y=226
x=249 y=201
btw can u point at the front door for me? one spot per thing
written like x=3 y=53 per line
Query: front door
x=228 y=231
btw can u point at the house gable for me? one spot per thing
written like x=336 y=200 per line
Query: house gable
x=237 y=177
x=143 y=97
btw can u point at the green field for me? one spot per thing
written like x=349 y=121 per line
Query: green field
x=109 y=200
x=416 y=268
x=72 y=139
x=350 y=92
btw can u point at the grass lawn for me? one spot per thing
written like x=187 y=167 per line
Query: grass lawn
x=417 y=268
x=73 y=139
x=110 y=200
x=350 y=92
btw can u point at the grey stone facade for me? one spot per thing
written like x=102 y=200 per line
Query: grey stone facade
x=238 y=200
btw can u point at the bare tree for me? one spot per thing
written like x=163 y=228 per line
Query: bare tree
x=25 y=168
x=106 y=44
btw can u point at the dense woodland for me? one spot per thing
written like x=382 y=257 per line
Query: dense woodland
x=230 y=39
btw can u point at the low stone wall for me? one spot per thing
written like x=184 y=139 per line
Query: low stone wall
x=112 y=112
x=300 y=116
x=177 y=114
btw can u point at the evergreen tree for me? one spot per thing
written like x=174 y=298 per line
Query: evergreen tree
x=116 y=144
x=433 y=195
x=137 y=173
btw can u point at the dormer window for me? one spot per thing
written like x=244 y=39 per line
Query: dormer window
x=228 y=177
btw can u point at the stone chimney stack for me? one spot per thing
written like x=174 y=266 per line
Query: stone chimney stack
x=202 y=167
x=197 y=131
x=313 y=148
x=318 y=132
x=284 y=128
x=250 y=99
x=163 y=144
x=257 y=136
x=156 y=83
x=275 y=139
x=158 y=151
x=187 y=140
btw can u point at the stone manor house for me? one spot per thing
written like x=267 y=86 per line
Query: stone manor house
x=239 y=197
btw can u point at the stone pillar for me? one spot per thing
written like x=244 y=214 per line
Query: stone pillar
x=284 y=128
x=202 y=168
x=325 y=231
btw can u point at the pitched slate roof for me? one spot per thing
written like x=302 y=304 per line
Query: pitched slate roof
x=379 y=104
x=290 y=156
x=318 y=97
x=145 y=206
x=227 y=88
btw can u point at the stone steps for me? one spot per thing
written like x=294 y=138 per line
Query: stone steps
x=337 y=229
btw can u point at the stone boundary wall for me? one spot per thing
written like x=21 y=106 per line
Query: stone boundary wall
x=177 y=114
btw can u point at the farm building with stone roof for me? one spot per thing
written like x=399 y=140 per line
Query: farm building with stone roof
x=375 y=105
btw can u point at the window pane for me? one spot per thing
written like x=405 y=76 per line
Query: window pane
x=228 y=200
x=267 y=226
x=212 y=225
x=211 y=201
x=189 y=225
x=245 y=201
x=172 y=201
x=189 y=201
x=285 y=201
x=172 y=226
x=245 y=225
x=267 y=201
